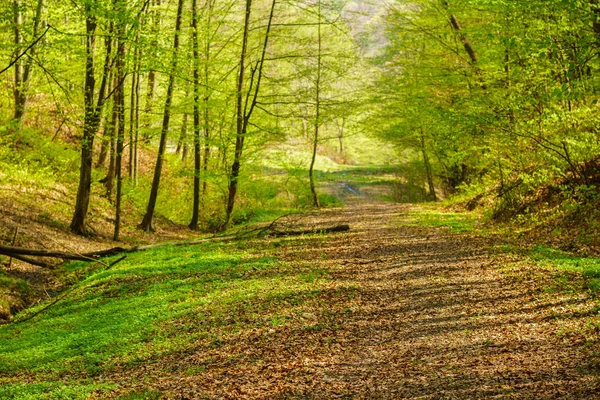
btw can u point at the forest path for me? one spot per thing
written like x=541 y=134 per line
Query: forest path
x=410 y=312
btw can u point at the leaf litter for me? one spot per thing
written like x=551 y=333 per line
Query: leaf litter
x=407 y=312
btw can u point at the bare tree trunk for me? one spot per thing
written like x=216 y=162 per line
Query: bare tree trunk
x=427 y=167
x=91 y=122
x=24 y=79
x=133 y=111
x=341 y=134
x=196 y=202
x=151 y=88
x=106 y=131
x=110 y=135
x=181 y=142
x=120 y=102
x=136 y=138
x=18 y=42
x=147 y=221
x=311 y=174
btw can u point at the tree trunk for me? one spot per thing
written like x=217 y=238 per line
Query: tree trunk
x=106 y=132
x=24 y=80
x=151 y=88
x=18 y=42
x=147 y=221
x=245 y=109
x=120 y=102
x=427 y=167
x=91 y=122
x=133 y=110
x=136 y=138
x=196 y=201
x=311 y=174
x=239 y=139
x=341 y=135
x=110 y=135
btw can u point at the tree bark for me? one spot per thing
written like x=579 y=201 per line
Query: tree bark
x=147 y=221
x=18 y=76
x=427 y=164
x=151 y=87
x=91 y=122
x=311 y=174
x=196 y=58
x=22 y=91
x=120 y=102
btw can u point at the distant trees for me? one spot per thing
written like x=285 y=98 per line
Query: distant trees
x=496 y=91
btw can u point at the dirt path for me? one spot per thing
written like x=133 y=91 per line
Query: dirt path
x=411 y=312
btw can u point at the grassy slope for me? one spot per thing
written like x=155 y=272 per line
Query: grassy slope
x=152 y=304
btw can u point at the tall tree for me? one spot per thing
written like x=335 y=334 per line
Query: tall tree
x=317 y=121
x=196 y=89
x=120 y=8
x=93 y=109
x=147 y=221
x=246 y=103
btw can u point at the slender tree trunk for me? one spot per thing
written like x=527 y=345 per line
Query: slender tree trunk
x=239 y=139
x=427 y=167
x=136 y=138
x=181 y=146
x=245 y=109
x=91 y=122
x=132 y=108
x=206 y=145
x=182 y=140
x=120 y=102
x=147 y=221
x=110 y=134
x=341 y=135
x=311 y=174
x=18 y=42
x=151 y=86
x=106 y=131
x=21 y=92
x=196 y=201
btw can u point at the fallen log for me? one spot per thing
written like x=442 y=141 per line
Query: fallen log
x=334 y=229
x=21 y=251
x=32 y=261
x=25 y=254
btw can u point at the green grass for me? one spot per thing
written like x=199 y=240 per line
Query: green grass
x=432 y=216
x=589 y=267
x=153 y=304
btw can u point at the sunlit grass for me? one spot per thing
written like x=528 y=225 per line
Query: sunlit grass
x=433 y=216
x=152 y=304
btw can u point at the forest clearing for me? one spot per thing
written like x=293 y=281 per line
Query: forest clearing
x=299 y=199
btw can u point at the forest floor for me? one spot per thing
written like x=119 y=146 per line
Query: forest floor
x=410 y=312
x=392 y=309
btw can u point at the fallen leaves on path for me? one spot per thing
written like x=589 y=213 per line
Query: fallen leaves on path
x=409 y=312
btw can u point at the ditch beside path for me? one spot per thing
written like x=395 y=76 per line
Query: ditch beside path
x=409 y=313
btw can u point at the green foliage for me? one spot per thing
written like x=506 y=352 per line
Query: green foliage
x=523 y=112
x=29 y=158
